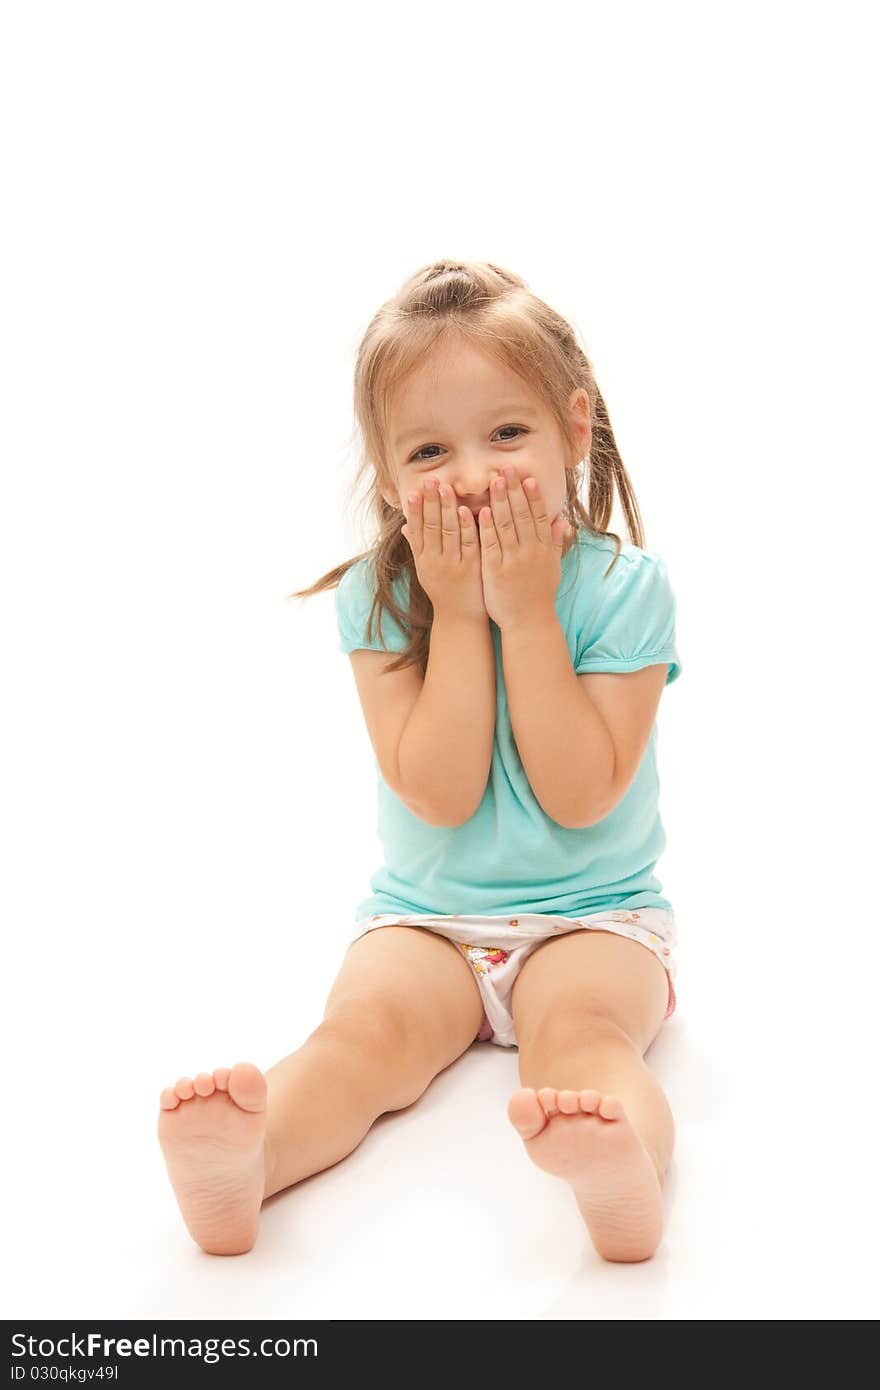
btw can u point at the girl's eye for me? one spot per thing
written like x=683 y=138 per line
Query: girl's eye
x=520 y=429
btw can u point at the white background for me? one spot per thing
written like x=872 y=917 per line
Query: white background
x=204 y=204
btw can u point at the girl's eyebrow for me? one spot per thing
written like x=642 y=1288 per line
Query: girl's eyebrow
x=516 y=408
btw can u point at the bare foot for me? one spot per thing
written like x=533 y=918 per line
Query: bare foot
x=211 y=1130
x=587 y=1139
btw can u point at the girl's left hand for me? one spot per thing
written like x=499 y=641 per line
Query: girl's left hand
x=520 y=553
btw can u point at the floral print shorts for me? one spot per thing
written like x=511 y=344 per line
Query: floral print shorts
x=496 y=948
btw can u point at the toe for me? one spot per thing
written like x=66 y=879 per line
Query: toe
x=247 y=1086
x=611 y=1108
x=548 y=1098
x=184 y=1088
x=169 y=1099
x=569 y=1102
x=590 y=1101
x=525 y=1114
x=221 y=1078
x=204 y=1084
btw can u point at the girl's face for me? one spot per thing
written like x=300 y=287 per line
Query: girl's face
x=463 y=416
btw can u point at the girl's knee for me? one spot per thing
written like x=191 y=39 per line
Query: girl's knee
x=579 y=1026
x=385 y=1045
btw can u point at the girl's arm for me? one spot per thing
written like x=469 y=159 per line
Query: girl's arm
x=445 y=750
x=564 y=745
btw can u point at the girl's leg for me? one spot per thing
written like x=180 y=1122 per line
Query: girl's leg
x=404 y=1006
x=586 y=1007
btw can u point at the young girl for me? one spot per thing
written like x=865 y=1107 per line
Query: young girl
x=514 y=732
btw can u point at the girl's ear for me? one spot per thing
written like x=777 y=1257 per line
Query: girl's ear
x=580 y=409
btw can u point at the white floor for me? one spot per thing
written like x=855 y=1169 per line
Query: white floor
x=171 y=916
x=771 y=1206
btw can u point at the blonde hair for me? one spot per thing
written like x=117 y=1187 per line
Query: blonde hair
x=495 y=311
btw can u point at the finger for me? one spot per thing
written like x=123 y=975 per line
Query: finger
x=451 y=531
x=532 y=494
x=502 y=517
x=432 y=525
x=470 y=536
x=413 y=528
x=520 y=510
x=490 y=548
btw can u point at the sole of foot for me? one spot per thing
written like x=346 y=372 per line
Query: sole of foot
x=587 y=1139
x=212 y=1130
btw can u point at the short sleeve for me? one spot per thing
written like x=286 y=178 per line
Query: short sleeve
x=354 y=599
x=633 y=624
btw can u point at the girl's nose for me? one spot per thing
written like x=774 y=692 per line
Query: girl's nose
x=470 y=494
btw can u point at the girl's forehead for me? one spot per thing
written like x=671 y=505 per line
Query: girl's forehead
x=462 y=381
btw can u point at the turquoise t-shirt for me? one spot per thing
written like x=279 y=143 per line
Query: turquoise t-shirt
x=511 y=857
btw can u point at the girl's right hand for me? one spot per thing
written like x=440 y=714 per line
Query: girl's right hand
x=445 y=544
